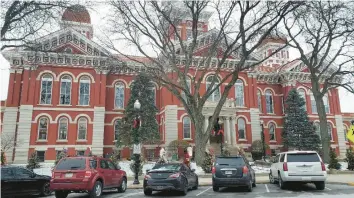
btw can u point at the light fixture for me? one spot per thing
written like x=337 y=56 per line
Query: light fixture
x=219 y=122
x=137 y=104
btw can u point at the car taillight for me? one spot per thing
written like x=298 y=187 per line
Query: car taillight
x=147 y=176
x=213 y=170
x=323 y=166
x=245 y=171
x=88 y=174
x=176 y=175
x=285 y=166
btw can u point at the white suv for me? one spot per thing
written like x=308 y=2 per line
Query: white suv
x=298 y=166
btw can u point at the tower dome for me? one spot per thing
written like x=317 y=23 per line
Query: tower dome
x=76 y=13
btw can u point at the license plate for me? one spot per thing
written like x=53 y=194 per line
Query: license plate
x=159 y=187
x=228 y=172
x=306 y=178
x=305 y=169
x=68 y=175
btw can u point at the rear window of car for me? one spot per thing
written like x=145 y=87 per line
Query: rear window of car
x=71 y=164
x=303 y=157
x=230 y=161
x=172 y=167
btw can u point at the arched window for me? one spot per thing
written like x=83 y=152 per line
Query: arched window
x=84 y=91
x=329 y=129
x=313 y=104
x=302 y=94
x=82 y=129
x=239 y=92
x=46 y=89
x=269 y=101
x=241 y=126
x=317 y=129
x=215 y=96
x=326 y=103
x=65 y=90
x=117 y=124
x=259 y=98
x=189 y=82
x=63 y=129
x=119 y=96
x=186 y=128
x=271 y=132
x=43 y=128
x=345 y=132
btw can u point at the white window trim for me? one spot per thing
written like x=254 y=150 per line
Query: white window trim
x=39 y=121
x=207 y=84
x=259 y=101
x=244 y=129
x=313 y=97
x=119 y=85
x=51 y=90
x=67 y=129
x=71 y=84
x=78 y=129
x=330 y=125
x=329 y=107
x=89 y=91
x=275 y=136
x=239 y=83
x=114 y=128
x=269 y=93
x=190 y=128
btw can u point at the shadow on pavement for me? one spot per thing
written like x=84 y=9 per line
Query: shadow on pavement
x=235 y=189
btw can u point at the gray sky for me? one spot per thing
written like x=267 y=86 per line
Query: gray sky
x=97 y=18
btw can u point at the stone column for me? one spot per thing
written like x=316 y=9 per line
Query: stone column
x=206 y=123
x=340 y=133
x=233 y=131
x=227 y=130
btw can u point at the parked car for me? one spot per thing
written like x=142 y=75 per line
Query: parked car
x=298 y=166
x=86 y=174
x=18 y=181
x=172 y=176
x=232 y=171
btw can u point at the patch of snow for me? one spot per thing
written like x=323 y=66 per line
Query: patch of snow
x=344 y=166
x=260 y=169
x=198 y=169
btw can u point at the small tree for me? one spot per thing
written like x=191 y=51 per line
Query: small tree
x=350 y=159
x=62 y=154
x=207 y=162
x=298 y=132
x=33 y=161
x=141 y=164
x=176 y=144
x=115 y=157
x=3 y=158
x=257 y=149
x=333 y=162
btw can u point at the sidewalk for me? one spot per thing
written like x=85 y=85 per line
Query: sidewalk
x=345 y=179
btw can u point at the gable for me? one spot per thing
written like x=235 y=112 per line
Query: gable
x=219 y=53
x=69 y=48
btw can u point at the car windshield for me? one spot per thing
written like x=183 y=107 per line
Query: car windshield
x=302 y=157
x=71 y=164
x=230 y=161
x=167 y=167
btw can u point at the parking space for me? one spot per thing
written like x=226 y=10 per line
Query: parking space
x=262 y=190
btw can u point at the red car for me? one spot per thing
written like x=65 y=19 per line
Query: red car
x=86 y=174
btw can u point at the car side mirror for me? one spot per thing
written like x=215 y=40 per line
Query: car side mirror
x=118 y=167
x=33 y=175
x=193 y=170
x=147 y=170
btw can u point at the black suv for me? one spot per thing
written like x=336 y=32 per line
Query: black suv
x=233 y=171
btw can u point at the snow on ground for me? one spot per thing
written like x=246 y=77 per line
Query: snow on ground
x=344 y=166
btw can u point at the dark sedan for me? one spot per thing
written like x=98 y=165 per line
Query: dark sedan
x=174 y=176
x=18 y=181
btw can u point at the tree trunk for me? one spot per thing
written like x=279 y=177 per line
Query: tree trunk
x=201 y=139
x=323 y=126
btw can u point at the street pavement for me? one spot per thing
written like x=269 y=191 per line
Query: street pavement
x=261 y=191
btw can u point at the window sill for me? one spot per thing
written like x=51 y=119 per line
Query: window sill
x=64 y=105
x=187 y=139
x=62 y=140
x=114 y=141
x=45 y=104
x=42 y=141
x=241 y=107
x=242 y=140
x=81 y=140
x=118 y=109
x=83 y=105
x=273 y=141
x=271 y=114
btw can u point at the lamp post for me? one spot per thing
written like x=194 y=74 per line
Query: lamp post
x=217 y=129
x=136 y=148
x=263 y=140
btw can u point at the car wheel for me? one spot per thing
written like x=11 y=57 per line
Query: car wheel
x=96 y=190
x=147 y=192
x=249 y=189
x=215 y=188
x=185 y=189
x=196 y=184
x=320 y=185
x=123 y=186
x=45 y=191
x=61 y=194
x=281 y=182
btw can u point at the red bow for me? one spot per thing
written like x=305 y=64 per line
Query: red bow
x=220 y=131
x=136 y=123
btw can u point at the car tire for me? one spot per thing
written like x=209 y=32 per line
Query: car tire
x=185 y=189
x=250 y=185
x=147 y=192
x=61 y=194
x=215 y=188
x=45 y=191
x=320 y=185
x=282 y=184
x=271 y=178
x=96 y=190
x=196 y=184
x=123 y=186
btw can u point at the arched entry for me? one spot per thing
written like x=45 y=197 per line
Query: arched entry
x=217 y=138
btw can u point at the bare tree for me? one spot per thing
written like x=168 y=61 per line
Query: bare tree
x=8 y=142
x=151 y=29
x=326 y=28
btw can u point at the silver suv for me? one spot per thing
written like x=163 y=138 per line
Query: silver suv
x=298 y=166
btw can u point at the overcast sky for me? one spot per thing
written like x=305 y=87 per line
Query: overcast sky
x=346 y=98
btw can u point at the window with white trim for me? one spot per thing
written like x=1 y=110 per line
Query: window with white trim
x=183 y=94
x=46 y=89
x=82 y=129
x=186 y=128
x=326 y=103
x=239 y=93
x=317 y=129
x=329 y=129
x=63 y=129
x=41 y=156
x=215 y=96
x=43 y=128
x=84 y=91
x=302 y=94
x=65 y=90
x=241 y=126
x=259 y=98
x=313 y=104
x=269 y=101
x=117 y=124
x=119 y=95
x=272 y=132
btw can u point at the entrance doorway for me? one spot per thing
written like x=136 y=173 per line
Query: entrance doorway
x=216 y=139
